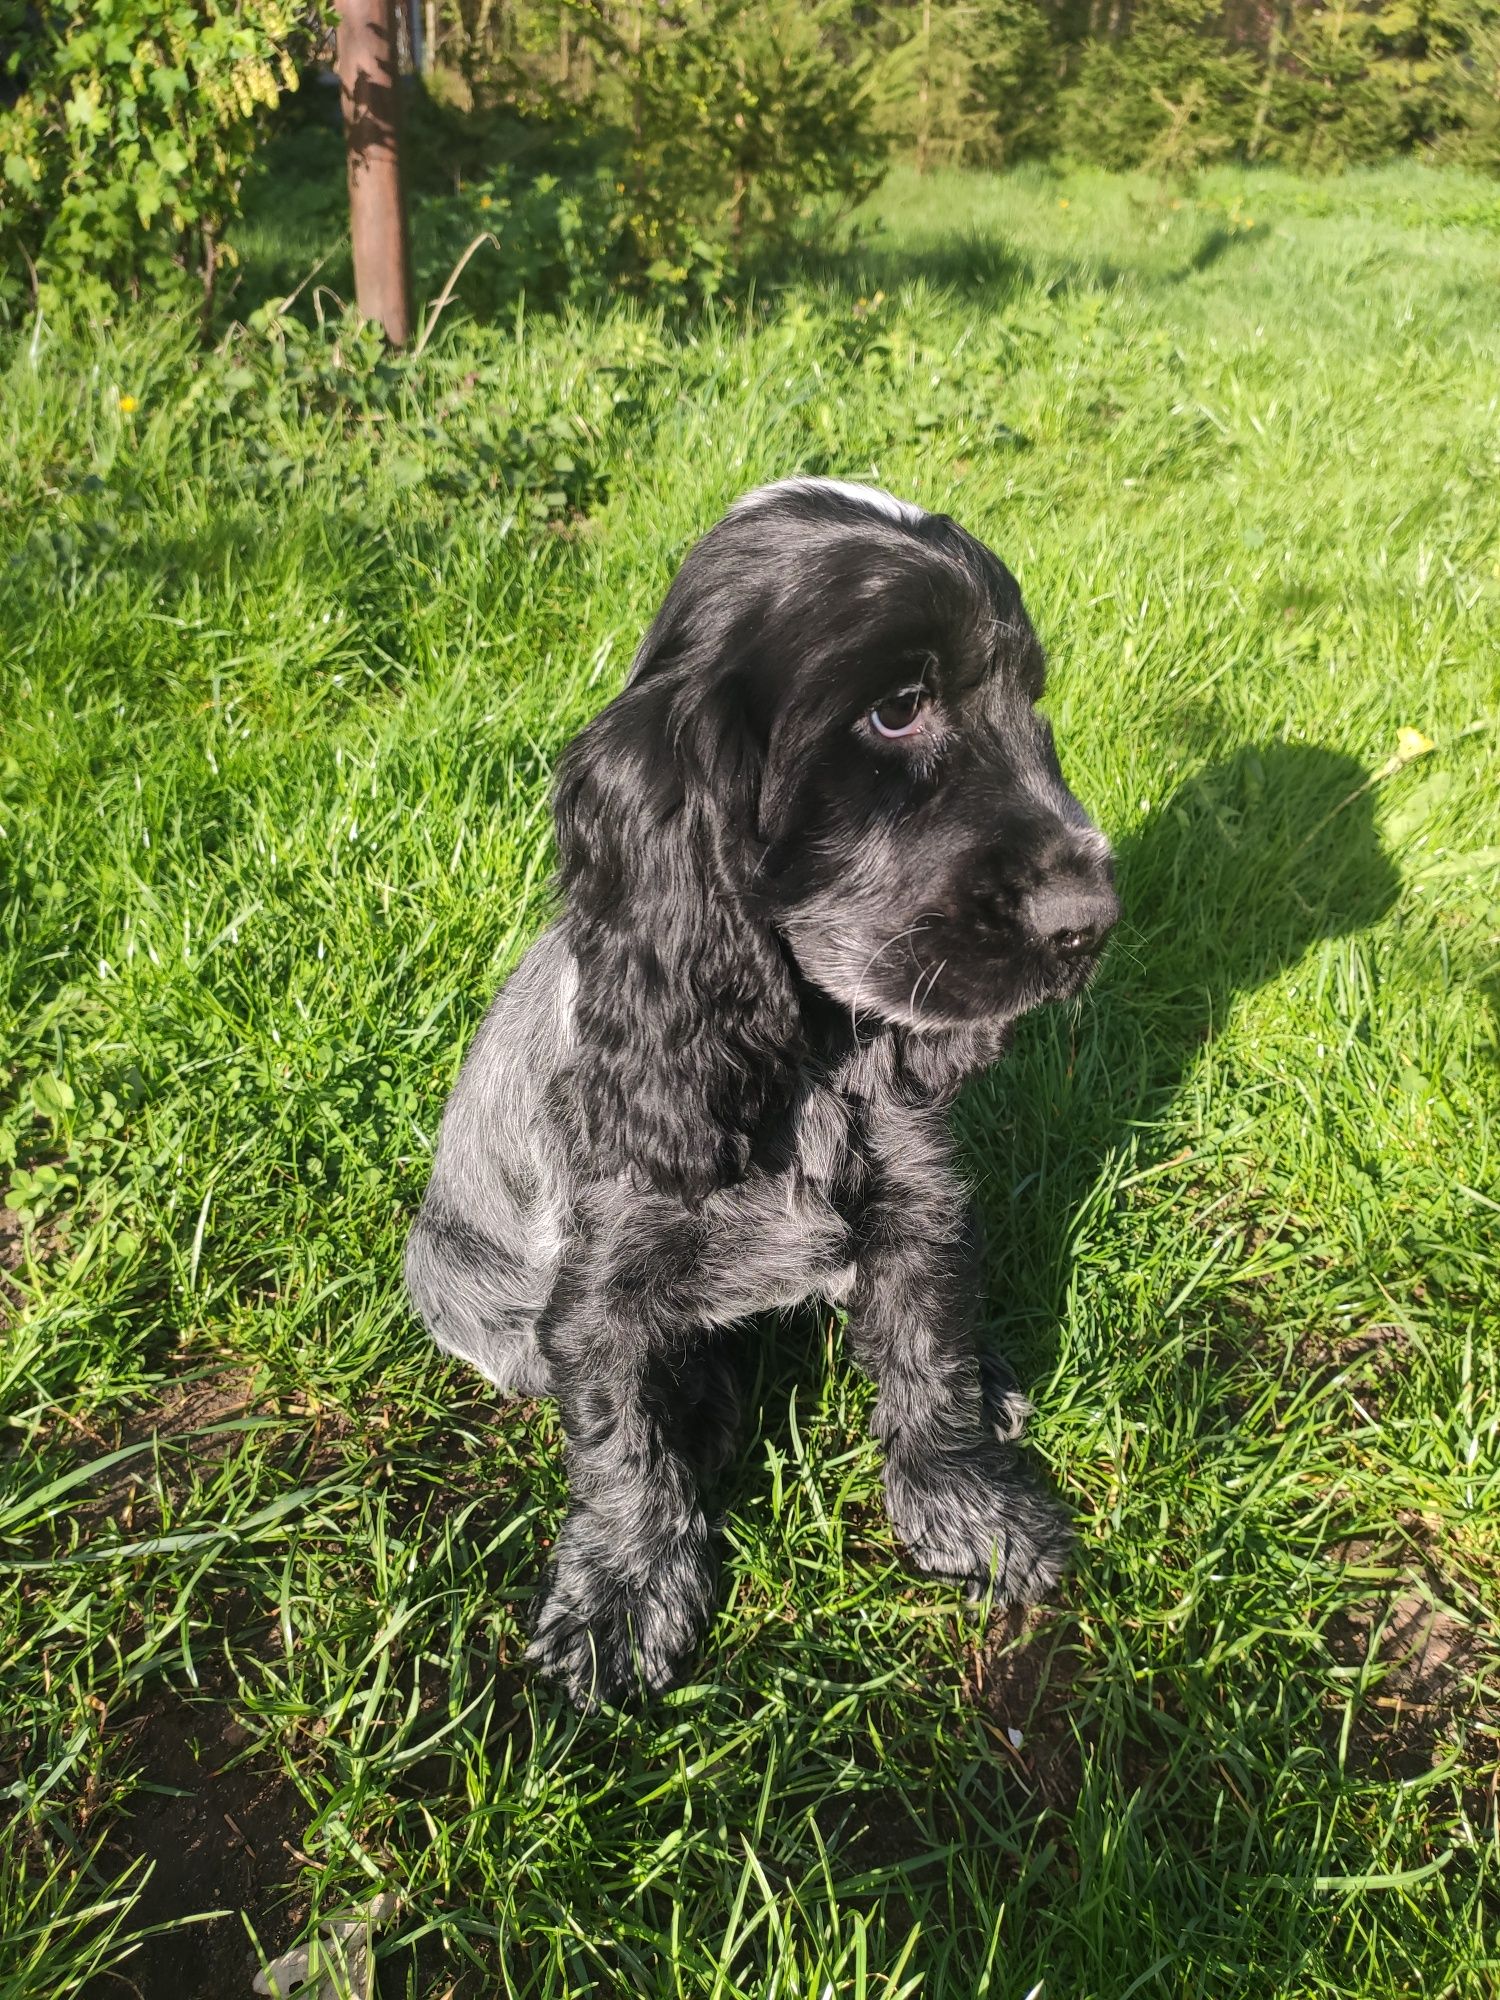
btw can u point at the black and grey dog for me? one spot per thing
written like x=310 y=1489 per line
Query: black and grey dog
x=816 y=859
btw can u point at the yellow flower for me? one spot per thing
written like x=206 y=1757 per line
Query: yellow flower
x=1249 y=221
x=128 y=405
x=1063 y=202
x=484 y=201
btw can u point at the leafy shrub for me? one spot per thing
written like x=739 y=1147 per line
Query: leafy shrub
x=1169 y=95
x=729 y=122
x=129 y=133
x=556 y=236
x=546 y=217
x=1470 y=94
x=443 y=419
x=1356 y=86
x=962 y=85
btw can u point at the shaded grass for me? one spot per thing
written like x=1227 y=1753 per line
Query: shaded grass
x=281 y=706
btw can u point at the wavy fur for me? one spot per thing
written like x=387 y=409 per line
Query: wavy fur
x=717 y=1085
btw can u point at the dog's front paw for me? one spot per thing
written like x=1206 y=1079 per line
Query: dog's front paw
x=974 y=1515
x=606 y=1634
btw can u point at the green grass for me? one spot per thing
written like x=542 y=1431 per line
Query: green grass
x=288 y=663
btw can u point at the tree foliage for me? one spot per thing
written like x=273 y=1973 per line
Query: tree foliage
x=964 y=81
x=680 y=136
x=730 y=120
x=128 y=132
x=1316 y=83
x=1171 y=84
x=1354 y=84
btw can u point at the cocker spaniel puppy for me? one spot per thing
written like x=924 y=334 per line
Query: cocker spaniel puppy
x=816 y=859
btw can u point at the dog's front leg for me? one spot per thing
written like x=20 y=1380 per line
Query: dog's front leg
x=956 y=1493
x=633 y=1571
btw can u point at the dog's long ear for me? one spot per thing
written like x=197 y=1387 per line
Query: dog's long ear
x=686 y=1016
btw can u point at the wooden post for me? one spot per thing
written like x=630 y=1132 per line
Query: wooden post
x=1268 y=83
x=924 y=89
x=368 y=92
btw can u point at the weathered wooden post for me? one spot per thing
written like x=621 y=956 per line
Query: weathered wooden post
x=369 y=86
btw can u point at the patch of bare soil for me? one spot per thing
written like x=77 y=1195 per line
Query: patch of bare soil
x=12 y=1255
x=48 y=1237
x=194 y=1421
x=893 y=1825
x=219 y=1837
x=1024 y=1685
x=1435 y=1668
x=192 y=1425
x=1364 y=1357
x=193 y=1405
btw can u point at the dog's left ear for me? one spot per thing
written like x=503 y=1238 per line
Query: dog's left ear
x=686 y=1016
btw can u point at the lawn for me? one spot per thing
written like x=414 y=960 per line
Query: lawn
x=292 y=638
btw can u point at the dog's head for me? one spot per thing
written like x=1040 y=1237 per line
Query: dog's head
x=827 y=769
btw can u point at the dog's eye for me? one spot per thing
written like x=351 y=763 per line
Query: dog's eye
x=900 y=714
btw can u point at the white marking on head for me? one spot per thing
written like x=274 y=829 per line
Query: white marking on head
x=875 y=498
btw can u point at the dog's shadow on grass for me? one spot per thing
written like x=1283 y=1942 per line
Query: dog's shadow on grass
x=1227 y=883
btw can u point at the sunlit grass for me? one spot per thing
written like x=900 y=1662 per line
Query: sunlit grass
x=280 y=703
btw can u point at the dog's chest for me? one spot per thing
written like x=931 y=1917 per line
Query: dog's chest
x=830 y=1167
x=791 y=1232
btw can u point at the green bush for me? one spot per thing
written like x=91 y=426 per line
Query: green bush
x=1169 y=95
x=959 y=85
x=654 y=148
x=731 y=124
x=1351 y=86
x=1317 y=83
x=126 y=143
x=555 y=236
x=1470 y=95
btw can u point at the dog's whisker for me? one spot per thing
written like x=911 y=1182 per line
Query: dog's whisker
x=932 y=977
x=879 y=951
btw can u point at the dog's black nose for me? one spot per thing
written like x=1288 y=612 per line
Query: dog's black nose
x=1073 y=918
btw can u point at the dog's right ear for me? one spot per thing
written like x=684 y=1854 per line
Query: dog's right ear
x=686 y=1020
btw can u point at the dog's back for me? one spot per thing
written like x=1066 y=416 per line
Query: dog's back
x=482 y=1254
